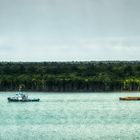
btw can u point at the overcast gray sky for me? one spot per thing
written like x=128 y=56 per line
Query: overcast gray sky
x=69 y=30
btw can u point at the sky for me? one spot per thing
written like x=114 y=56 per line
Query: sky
x=69 y=30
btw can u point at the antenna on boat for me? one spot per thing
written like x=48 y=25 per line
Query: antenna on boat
x=21 y=88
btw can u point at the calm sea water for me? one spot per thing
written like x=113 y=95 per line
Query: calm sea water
x=86 y=116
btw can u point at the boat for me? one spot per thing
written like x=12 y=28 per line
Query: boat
x=21 y=97
x=129 y=98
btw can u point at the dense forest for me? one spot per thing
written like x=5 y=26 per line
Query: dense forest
x=70 y=76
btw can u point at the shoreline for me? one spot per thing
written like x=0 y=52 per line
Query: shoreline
x=75 y=92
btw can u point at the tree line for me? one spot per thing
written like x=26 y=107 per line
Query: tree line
x=89 y=76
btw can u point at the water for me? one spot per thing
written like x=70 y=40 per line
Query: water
x=86 y=116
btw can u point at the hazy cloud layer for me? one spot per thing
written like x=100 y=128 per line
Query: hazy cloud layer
x=67 y=30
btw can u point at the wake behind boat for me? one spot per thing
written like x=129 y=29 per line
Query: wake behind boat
x=20 y=97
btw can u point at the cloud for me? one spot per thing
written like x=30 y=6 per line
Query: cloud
x=112 y=48
x=85 y=49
